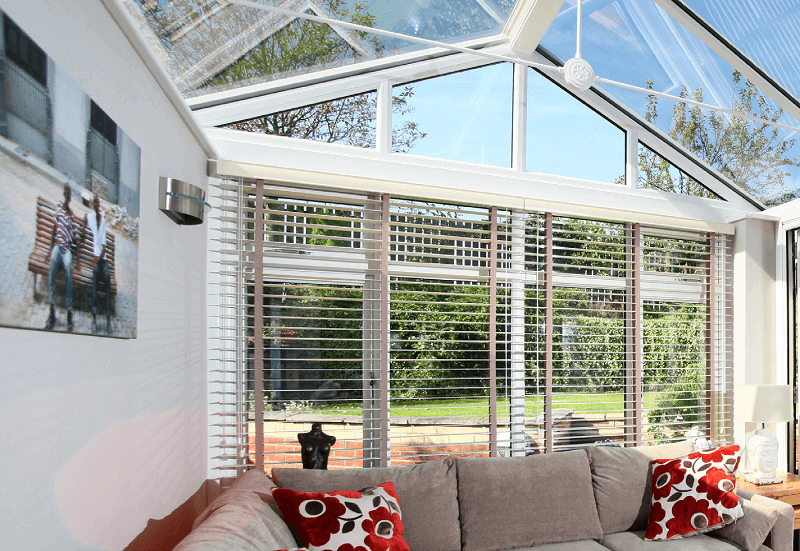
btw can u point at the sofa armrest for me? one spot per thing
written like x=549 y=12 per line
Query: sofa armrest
x=781 y=536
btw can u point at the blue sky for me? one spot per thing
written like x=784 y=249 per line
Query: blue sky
x=467 y=117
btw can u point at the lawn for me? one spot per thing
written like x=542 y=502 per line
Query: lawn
x=592 y=405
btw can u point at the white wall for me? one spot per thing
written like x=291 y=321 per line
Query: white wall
x=99 y=434
x=760 y=329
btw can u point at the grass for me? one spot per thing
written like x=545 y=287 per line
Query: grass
x=592 y=405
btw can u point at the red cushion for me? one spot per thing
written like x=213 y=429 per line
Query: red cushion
x=694 y=493
x=369 y=520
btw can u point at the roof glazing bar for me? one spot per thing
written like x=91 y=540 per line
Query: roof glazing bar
x=491 y=9
x=688 y=101
x=731 y=54
x=389 y=34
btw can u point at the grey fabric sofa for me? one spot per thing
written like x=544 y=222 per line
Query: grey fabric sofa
x=593 y=499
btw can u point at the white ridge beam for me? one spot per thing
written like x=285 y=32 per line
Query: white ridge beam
x=528 y=23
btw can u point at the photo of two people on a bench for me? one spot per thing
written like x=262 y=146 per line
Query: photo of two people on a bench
x=80 y=251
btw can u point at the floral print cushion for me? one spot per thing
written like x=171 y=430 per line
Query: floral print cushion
x=368 y=520
x=694 y=493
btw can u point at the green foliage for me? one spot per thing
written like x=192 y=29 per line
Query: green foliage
x=674 y=341
x=588 y=247
x=679 y=405
x=319 y=330
x=674 y=353
x=322 y=223
x=688 y=256
x=303 y=44
x=347 y=121
x=655 y=172
x=439 y=339
x=749 y=153
x=592 y=353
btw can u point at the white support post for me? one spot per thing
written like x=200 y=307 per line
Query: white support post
x=783 y=335
x=517 y=334
x=632 y=158
x=383 y=125
x=519 y=118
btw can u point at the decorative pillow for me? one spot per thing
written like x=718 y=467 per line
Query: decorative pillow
x=369 y=520
x=694 y=494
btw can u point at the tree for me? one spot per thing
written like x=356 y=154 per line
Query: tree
x=749 y=153
x=348 y=121
x=303 y=44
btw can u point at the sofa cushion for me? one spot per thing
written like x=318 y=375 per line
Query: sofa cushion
x=583 y=545
x=694 y=493
x=752 y=529
x=242 y=518
x=350 y=520
x=634 y=541
x=621 y=482
x=526 y=501
x=428 y=492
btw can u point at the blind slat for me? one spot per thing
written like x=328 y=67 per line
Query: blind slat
x=447 y=337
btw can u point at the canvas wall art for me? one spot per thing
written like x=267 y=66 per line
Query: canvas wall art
x=69 y=201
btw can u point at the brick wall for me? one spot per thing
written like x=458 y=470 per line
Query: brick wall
x=413 y=440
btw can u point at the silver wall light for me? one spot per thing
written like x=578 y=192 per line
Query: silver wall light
x=181 y=201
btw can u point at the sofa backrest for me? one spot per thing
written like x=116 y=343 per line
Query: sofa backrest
x=514 y=502
x=622 y=485
x=245 y=517
x=427 y=494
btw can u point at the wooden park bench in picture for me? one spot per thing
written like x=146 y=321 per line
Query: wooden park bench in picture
x=39 y=261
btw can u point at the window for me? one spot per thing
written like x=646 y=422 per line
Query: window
x=347 y=121
x=413 y=329
x=655 y=172
x=103 y=124
x=25 y=52
x=568 y=138
x=103 y=145
x=25 y=93
x=465 y=116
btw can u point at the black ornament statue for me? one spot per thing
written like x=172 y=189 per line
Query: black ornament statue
x=315 y=447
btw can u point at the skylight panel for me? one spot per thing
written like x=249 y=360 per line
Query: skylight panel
x=439 y=19
x=636 y=43
x=766 y=32
x=208 y=43
x=294 y=49
x=172 y=19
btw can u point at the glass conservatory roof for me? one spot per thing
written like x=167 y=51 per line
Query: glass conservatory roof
x=200 y=40
x=707 y=51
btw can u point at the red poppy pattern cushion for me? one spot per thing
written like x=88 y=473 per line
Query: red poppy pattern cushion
x=368 y=520
x=694 y=494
